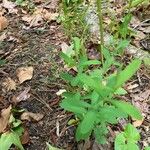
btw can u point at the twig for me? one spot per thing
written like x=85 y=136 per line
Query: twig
x=99 y=11
x=41 y=100
x=142 y=23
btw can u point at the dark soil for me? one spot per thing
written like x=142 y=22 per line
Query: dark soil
x=40 y=48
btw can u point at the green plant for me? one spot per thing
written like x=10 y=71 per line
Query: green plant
x=135 y=3
x=92 y=96
x=147 y=148
x=12 y=137
x=73 y=18
x=100 y=16
x=128 y=139
x=28 y=4
x=124 y=29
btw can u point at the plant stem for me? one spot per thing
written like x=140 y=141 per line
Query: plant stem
x=100 y=17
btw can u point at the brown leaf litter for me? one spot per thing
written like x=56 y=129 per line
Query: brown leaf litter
x=24 y=95
x=9 y=84
x=31 y=116
x=3 y=23
x=39 y=15
x=4 y=118
x=24 y=73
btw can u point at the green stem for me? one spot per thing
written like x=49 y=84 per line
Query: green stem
x=130 y=6
x=100 y=17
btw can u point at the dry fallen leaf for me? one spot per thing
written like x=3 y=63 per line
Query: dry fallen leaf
x=9 y=84
x=66 y=49
x=22 y=96
x=25 y=137
x=3 y=23
x=135 y=21
x=39 y=1
x=4 y=118
x=3 y=37
x=137 y=123
x=10 y=6
x=142 y=96
x=141 y=102
x=60 y=92
x=50 y=16
x=24 y=73
x=36 y=20
x=40 y=14
x=27 y=18
x=31 y=116
x=130 y=87
x=53 y=5
x=1 y=98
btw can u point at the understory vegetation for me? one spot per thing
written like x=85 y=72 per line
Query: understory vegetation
x=93 y=90
x=92 y=71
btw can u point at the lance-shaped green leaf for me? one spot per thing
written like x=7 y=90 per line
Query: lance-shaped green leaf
x=127 y=108
x=127 y=73
x=73 y=103
x=128 y=139
x=68 y=60
x=8 y=139
x=86 y=126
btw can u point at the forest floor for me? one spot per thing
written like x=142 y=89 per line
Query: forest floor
x=29 y=49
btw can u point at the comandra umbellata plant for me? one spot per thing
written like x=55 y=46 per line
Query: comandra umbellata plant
x=92 y=91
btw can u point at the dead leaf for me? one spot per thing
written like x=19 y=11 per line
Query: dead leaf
x=22 y=96
x=53 y=5
x=135 y=22
x=2 y=10
x=107 y=146
x=1 y=99
x=147 y=30
x=10 y=6
x=1 y=52
x=34 y=20
x=25 y=137
x=9 y=84
x=137 y=123
x=130 y=87
x=3 y=23
x=24 y=73
x=37 y=18
x=142 y=106
x=27 y=18
x=3 y=37
x=141 y=96
x=66 y=49
x=31 y=116
x=50 y=16
x=4 y=118
x=60 y=92
x=138 y=37
x=39 y=1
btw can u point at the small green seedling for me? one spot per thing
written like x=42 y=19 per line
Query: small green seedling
x=73 y=18
x=128 y=139
x=12 y=137
x=124 y=27
x=92 y=97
